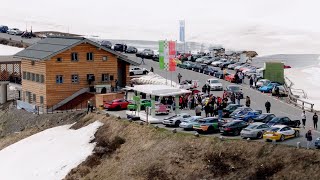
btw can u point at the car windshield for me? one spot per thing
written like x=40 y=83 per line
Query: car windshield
x=234 y=88
x=214 y=81
x=274 y=120
x=262 y=116
x=252 y=126
x=274 y=129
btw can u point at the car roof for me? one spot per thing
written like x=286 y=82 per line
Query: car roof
x=280 y=126
x=257 y=123
x=213 y=79
x=233 y=86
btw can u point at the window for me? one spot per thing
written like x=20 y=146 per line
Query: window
x=90 y=56
x=59 y=59
x=74 y=57
x=59 y=79
x=90 y=77
x=37 y=77
x=75 y=78
x=105 y=77
x=34 y=98
x=32 y=63
x=111 y=78
x=33 y=77
x=28 y=76
x=41 y=100
x=105 y=58
x=24 y=75
x=41 y=78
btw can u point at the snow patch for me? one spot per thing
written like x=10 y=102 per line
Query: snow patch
x=8 y=50
x=50 y=154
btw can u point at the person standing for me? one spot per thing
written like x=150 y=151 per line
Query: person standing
x=179 y=78
x=233 y=98
x=238 y=96
x=89 y=104
x=208 y=90
x=248 y=101
x=315 y=120
x=251 y=82
x=142 y=61
x=207 y=110
x=268 y=106
x=309 y=139
x=198 y=109
x=303 y=118
x=220 y=111
x=151 y=69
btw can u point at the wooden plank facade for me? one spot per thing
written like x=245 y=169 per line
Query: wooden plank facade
x=105 y=66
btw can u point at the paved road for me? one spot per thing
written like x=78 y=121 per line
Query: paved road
x=18 y=38
x=278 y=107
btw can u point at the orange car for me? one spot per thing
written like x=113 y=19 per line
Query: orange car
x=230 y=78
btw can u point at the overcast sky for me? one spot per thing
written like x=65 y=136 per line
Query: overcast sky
x=267 y=26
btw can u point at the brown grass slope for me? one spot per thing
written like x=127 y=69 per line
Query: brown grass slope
x=127 y=150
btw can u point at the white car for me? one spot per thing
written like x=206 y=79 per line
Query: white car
x=218 y=63
x=254 y=130
x=215 y=84
x=137 y=71
x=14 y=31
x=189 y=84
x=176 y=119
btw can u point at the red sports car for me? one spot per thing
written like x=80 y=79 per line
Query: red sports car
x=286 y=66
x=230 y=78
x=116 y=104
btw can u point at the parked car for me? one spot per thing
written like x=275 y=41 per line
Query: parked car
x=14 y=31
x=175 y=120
x=229 y=109
x=283 y=120
x=254 y=130
x=188 y=123
x=262 y=82
x=230 y=78
x=137 y=71
x=193 y=57
x=199 y=67
x=215 y=85
x=208 y=124
x=234 y=89
x=280 y=133
x=131 y=49
x=240 y=111
x=156 y=57
x=106 y=44
x=264 y=117
x=185 y=64
x=234 y=127
x=317 y=143
x=189 y=84
x=217 y=63
x=143 y=104
x=226 y=64
x=210 y=70
x=232 y=66
x=118 y=47
x=161 y=109
x=191 y=66
x=147 y=54
x=4 y=29
x=220 y=74
x=116 y=104
x=248 y=117
x=28 y=35
x=268 y=88
x=282 y=91
x=237 y=68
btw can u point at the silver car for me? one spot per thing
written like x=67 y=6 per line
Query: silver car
x=254 y=130
x=189 y=122
x=176 y=119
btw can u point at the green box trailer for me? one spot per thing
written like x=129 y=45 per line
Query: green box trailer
x=274 y=71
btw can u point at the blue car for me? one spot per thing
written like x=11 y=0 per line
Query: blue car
x=250 y=116
x=189 y=122
x=239 y=112
x=268 y=88
x=317 y=143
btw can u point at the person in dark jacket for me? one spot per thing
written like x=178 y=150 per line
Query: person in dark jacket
x=208 y=89
x=315 y=120
x=248 y=101
x=211 y=110
x=151 y=69
x=207 y=110
x=309 y=138
x=204 y=88
x=268 y=106
x=251 y=82
x=233 y=98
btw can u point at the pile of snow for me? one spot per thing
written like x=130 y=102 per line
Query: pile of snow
x=8 y=50
x=307 y=79
x=50 y=154
x=155 y=79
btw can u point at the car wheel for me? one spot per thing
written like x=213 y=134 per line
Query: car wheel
x=118 y=108
x=131 y=74
x=297 y=134
x=177 y=123
x=250 y=120
x=259 y=135
x=236 y=132
x=282 y=138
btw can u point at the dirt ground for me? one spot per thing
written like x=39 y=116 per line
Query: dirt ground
x=127 y=150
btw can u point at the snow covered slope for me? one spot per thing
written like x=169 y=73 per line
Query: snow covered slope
x=49 y=155
x=8 y=50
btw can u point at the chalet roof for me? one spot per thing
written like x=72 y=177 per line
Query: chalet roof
x=51 y=46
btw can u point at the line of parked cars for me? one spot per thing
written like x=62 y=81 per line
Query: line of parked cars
x=16 y=32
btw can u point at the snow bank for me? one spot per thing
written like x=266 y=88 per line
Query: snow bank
x=8 y=50
x=50 y=154
x=307 y=79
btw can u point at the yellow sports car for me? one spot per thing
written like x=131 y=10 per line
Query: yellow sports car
x=280 y=133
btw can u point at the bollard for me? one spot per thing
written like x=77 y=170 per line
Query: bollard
x=196 y=134
x=248 y=139
x=273 y=141
x=298 y=145
x=221 y=138
x=174 y=130
x=156 y=126
x=141 y=123
x=107 y=115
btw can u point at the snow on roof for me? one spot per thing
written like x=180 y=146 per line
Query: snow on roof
x=152 y=78
x=159 y=90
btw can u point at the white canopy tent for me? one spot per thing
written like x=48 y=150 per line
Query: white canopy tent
x=159 y=90
x=155 y=79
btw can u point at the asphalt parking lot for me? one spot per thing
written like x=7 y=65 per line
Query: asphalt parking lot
x=278 y=106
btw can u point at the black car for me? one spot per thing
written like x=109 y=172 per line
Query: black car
x=119 y=47
x=210 y=70
x=147 y=54
x=234 y=127
x=156 y=57
x=106 y=44
x=226 y=64
x=3 y=29
x=284 y=121
x=219 y=74
x=229 y=109
x=265 y=117
x=194 y=57
x=131 y=49
x=191 y=66
x=199 y=67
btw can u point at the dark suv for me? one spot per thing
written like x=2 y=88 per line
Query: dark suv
x=132 y=50
x=106 y=44
x=119 y=47
x=3 y=29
